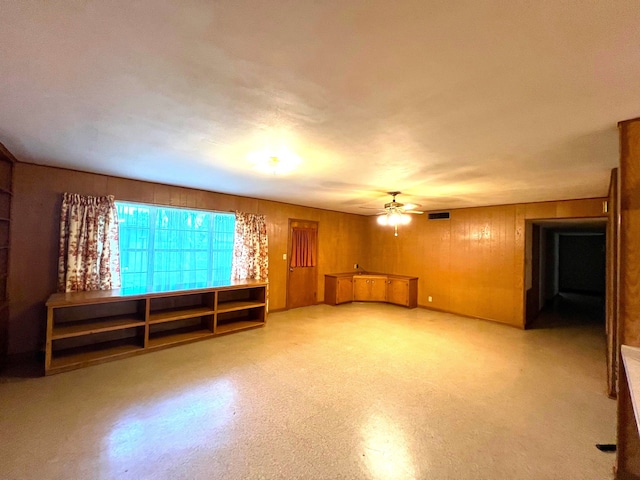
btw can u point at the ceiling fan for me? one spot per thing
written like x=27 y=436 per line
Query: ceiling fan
x=396 y=213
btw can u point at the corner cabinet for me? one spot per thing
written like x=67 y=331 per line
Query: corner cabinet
x=338 y=289
x=370 y=288
x=378 y=287
x=402 y=291
x=86 y=328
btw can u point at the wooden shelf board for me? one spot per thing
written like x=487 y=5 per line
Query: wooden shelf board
x=96 y=353
x=96 y=325
x=238 y=305
x=181 y=335
x=239 y=325
x=161 y=316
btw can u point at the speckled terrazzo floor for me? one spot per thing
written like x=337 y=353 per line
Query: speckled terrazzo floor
x=360 y=391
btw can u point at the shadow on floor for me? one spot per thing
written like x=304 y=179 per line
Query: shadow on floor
x=571 y=309
x=19 y=367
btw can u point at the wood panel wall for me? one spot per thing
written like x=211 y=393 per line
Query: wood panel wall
x=613 y=344
x=7 y=162
x=35 y=233
x=474 y=263
x=628 y=452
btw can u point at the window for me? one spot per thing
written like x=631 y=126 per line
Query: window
x=163 y=248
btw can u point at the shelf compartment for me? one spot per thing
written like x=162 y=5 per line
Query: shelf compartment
x=238 y=305
x=102 y=312
x=237 y=325
x=180 y=331
x=174 y=314
x=5 y=207
x=178 y=307
x=70 y=353
x=239 y=320
x=92 y=326
x=237 y=299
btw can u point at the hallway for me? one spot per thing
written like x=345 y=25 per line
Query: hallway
x=571 y=309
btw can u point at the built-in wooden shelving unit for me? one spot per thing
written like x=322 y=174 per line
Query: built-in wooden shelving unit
x=7 y=161
x=85 y=328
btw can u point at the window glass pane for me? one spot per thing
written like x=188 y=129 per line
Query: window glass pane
x=164 y=248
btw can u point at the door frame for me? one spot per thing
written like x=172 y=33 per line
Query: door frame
x=289 y=238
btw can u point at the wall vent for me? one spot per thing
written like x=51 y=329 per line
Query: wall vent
x=439 y=216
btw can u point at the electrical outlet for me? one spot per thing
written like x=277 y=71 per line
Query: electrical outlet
x=430 y=298
x=284 y=256
x=355 y=266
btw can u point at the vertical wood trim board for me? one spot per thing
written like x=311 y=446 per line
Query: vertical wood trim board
x=628 y=451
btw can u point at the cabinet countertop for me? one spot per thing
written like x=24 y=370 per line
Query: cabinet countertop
x=370 y=274
x=97 y=296
x=631 y=358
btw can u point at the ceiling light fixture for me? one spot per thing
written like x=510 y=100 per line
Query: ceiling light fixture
x=396 y=213
x=274 y=163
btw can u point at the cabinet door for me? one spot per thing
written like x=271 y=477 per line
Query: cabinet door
x=378 y=289
x=344 y=290
x=398 y=291
x=360 y=289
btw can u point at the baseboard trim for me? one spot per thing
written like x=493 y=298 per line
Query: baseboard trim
x=492 y=320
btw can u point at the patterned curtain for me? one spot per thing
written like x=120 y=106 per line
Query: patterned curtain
x=250 y=247
x=303 y=247
x=89 y=249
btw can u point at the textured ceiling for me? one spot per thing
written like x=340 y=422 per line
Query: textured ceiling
x=454 y=103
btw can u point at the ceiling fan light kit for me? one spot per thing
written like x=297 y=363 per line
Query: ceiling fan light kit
x=396 y=213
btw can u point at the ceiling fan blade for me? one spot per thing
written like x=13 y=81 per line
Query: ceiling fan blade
x=411 y=206
x=417 y=212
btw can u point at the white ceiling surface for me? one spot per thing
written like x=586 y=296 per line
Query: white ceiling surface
x=457 y=104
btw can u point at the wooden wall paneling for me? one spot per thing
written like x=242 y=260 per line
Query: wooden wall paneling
x=505 y=253
x=37 y=206
x=540 y=210
x=482 y=262
x=435 y=278
x=464 y=264
x=613 y=346
x=463 y=275
x=473 y=263
x=7 y=163
x=488 y=224
x=586 y=208
x=582 y=208
x=518 y=292
x=628 y=444
x=131 y=190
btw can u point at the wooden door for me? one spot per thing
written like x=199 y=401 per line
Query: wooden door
x=302 y=281
x=398 y=291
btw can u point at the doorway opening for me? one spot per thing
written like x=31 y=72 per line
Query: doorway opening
x=566 y=273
